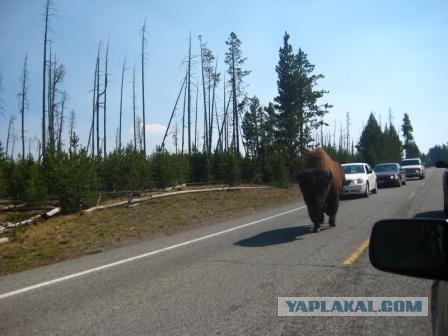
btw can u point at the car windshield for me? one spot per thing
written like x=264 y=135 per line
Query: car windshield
x=410 y=162
x=385 y=168
x=353 y=169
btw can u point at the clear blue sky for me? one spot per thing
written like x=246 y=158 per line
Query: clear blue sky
x=375 y=55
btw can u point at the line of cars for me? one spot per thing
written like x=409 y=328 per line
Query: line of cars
x=361 y=179
x=421 y=251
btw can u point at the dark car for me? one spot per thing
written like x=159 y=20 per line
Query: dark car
x=389 y=174
x=421 y=251
x=443 y=164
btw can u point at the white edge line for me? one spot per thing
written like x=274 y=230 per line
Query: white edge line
x=141 y=256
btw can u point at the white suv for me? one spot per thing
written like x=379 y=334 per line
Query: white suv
x=413 y=168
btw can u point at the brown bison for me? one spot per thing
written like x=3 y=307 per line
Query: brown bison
x=321 y=182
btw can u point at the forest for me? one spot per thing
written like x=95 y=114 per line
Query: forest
x=238 y=142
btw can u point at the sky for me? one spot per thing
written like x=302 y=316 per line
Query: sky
x=375 y=55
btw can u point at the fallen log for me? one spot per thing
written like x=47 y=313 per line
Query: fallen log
x=52 y=212
x=147 y=198
x=176 y=187
x=8 y=226
x=11 y=207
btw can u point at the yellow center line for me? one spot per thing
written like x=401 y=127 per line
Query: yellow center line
x=412 y=195
x=359 y=250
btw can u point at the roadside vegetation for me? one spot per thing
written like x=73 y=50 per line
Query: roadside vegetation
x=73 y=235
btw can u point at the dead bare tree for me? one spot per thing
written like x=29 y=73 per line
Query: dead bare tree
x=11 y=132
x=22 y=95
x=97 y=101
x=204 y=94
x=48 y=9
x=143 y=31
x=61 y=119
x=2 y=111
x=56 y=74
x=139 y=128
x=235 y=62
x=172 y=114
x=348 y=123
x=71 y=128
x=214 y=75
x=49 y=107
x=189 y=96
x=183 y=116
x=196 y=117
x=105 y=99
x=94 y=98
x=121 y=102
x=175 y=137
x=133 y=108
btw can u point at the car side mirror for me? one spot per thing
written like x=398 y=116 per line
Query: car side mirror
x=441 y=164
x=414 y=247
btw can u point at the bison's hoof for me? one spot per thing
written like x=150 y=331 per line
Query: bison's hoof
x=332 y=222
x=316 y=230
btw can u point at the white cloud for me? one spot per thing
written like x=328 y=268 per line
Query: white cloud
x=155 y=129
x=152 y=129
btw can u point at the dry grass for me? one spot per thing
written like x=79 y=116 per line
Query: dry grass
x=71 y=236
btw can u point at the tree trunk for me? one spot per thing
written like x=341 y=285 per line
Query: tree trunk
x=189 y=96
x=44 y=76
x=97 y=102
x=172 y=114
x=22 y=96
x=105 y=101
x=143 y=86
x=204 y=95
x=121 y=102
x=133 y=109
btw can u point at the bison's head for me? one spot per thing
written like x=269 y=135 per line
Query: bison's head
x=315 y=185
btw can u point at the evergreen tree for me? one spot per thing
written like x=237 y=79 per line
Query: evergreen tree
x=297 y=101
x=410 y=147
x=252 y=126
x=437 y=153
x=391 y=149
x=268 y=134
x=370 y=142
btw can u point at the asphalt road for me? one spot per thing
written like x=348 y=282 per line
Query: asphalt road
x=226 y=283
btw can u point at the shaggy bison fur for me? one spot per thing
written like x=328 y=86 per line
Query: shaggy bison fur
x=321 y=182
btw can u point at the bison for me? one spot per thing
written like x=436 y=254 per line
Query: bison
x=321 y=182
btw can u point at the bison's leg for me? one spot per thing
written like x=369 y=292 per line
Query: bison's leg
x=317 y=216
x=332 y=207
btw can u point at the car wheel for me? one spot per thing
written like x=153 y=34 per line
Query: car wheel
x=366 y=193
x=404 y=182
x=375 y=191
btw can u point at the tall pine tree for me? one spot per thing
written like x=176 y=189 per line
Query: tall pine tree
x=252 y=126
x=297 y=102
x=409 y=146
x=370 y=142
